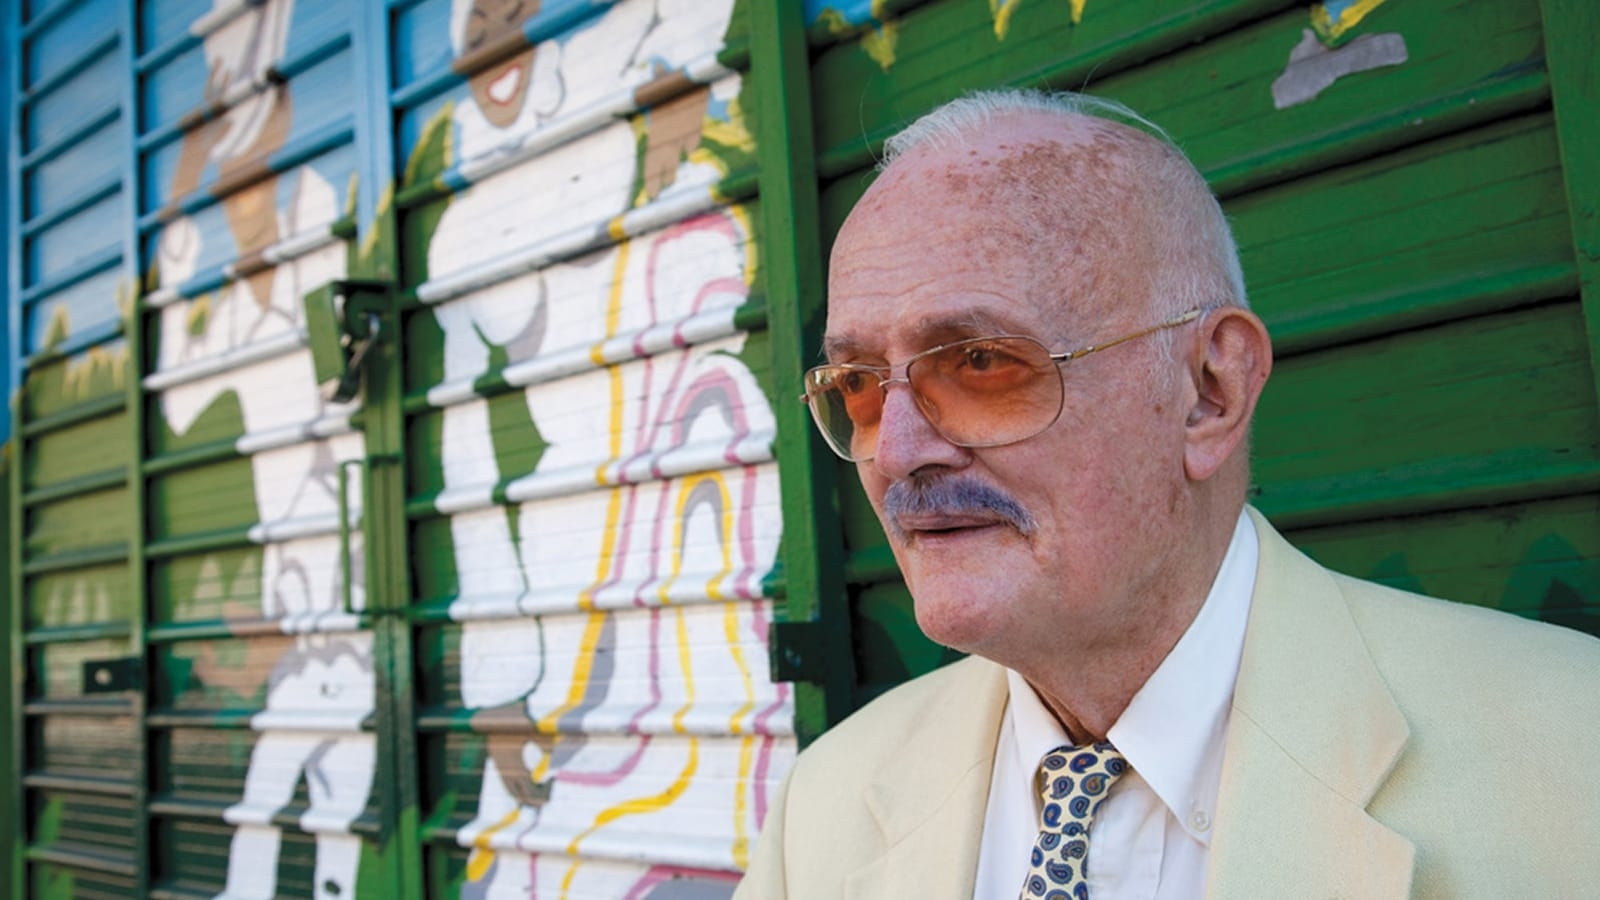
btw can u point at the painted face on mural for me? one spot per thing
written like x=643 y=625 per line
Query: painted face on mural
x=501 y=89
x=979 y=239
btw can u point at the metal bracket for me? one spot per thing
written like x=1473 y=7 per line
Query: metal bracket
x=344 y=319
x=112 y=676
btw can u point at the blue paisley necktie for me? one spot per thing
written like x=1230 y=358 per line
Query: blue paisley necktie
x=1073 y=782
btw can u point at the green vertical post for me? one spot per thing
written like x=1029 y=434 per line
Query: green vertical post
x=811 y=644
x=383 y=518
x=10 y=657
x=1572 y=56
x=133 y=329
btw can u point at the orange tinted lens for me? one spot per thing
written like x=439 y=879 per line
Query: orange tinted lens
x=846 y=403
x=988 y=391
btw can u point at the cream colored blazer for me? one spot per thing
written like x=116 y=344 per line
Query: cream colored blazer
x=1381 y=745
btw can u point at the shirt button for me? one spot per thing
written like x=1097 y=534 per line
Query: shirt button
x=1200 y=821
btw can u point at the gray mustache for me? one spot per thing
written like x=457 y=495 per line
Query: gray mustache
x=949 y=495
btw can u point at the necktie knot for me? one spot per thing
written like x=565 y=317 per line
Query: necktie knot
x=1073 y=782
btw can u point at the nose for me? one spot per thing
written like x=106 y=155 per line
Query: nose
x=907 y=441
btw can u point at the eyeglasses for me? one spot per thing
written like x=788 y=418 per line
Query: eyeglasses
x=980 y=392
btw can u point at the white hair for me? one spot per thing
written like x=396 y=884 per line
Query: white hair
x=1191 y=236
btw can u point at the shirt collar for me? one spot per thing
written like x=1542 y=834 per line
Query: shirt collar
x=1172 y=731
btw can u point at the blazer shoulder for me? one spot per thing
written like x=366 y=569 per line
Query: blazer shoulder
x=1418 y=640
x=1381 y=609
x=948 y=697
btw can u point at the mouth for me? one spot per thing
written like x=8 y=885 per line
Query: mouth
x=503 y=89
x=916 y=528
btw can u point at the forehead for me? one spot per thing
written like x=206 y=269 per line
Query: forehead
x=1020 y=229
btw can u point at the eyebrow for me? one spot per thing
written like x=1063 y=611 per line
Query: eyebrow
x=934 y=330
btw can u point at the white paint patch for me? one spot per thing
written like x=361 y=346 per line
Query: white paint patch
x=1314 y=68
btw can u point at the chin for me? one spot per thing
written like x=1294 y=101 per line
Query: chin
x=963 y=619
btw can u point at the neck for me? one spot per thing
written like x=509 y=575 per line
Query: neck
x=1088 y=689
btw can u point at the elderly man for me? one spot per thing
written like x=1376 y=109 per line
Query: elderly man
x=1041 y=361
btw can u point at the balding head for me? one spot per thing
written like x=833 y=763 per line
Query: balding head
x=1082 y=179
x=1023 y=215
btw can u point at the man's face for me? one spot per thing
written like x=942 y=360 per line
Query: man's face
x=981 y=240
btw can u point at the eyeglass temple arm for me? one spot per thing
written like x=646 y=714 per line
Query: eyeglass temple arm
x=1187 y=317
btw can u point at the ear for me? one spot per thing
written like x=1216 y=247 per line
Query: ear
x=1229 y=364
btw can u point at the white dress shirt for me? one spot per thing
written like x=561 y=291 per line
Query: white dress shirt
x=1152 y=836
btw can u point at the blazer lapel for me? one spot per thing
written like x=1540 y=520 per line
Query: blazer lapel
x=1312 y=736
x=930 y=805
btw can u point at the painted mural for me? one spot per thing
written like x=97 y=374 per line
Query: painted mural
x=610 y=529
x=231 y=360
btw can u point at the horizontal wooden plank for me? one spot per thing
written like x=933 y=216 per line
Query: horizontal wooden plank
x=83 y=596
x=92 y=447
x=66 y=391
x=220 y=496
x=77 y=523
x=1465 y=64
x=1539 y=559
x=1484 y=410
x=1473 y=222
x=937 y=51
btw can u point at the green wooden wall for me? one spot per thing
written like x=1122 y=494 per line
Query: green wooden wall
x=1418 y=236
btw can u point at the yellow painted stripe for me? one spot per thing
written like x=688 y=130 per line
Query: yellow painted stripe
x=640 y=805
x=730 y=629
x=752 y=253
x=685 y=661
x=482 y=856
x=741 y=835
x=580 y=672
x=592 y=629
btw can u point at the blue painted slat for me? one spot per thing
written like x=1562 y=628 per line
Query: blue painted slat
x=87 y=55
x=44 y=154
x=314 y=25
x=852 y=12
x=309 y=146
x=96 y=158
x=53 y=252
x=39 y=16
x=88 y=194
x=207 y=280
x=88 y=304
x=86 y=268
x=78 y=342
x=91 y=91
x=59 y=44
x=172 y=102
x=553 y=20
x=162 y=22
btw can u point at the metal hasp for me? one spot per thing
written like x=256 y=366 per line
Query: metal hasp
x=342 y=318
x=799 y=650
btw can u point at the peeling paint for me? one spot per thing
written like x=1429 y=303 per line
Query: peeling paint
x=1313 y=68
x=1333 y=19
x=1001 y=11
x=879 y=43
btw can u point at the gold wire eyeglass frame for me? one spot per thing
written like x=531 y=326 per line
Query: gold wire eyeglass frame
x=813 y=376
